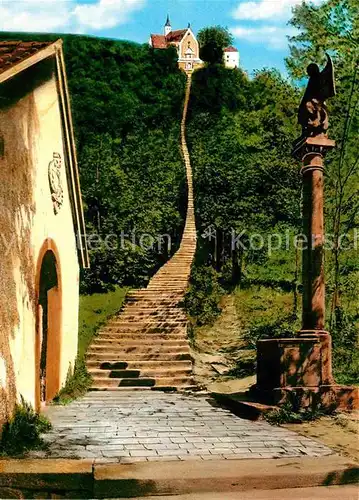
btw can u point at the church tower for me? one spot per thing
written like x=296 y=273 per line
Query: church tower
x=168 y=27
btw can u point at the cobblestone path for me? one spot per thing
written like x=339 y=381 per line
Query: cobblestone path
x=149 y=425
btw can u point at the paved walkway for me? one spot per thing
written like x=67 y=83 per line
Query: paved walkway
x=319 y=493
x=148 y=425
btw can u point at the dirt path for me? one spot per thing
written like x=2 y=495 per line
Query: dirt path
x=218 y=347
x=341 y=433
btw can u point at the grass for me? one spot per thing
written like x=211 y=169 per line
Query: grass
x=346 y=365
x=94 y=311
x=265 y=312
x=257 y=311
x=23 y=431
x=247 y=314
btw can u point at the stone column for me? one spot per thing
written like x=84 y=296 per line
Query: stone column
x=300 y=368
x=311 y=151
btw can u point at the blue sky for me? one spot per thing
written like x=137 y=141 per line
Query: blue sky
x=259 y=26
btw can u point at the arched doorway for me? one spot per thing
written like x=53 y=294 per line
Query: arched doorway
x=48 y=331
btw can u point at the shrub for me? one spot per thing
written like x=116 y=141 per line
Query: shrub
x=23 y=431
x=245 y=367
x=277 y=328
x=202 y=299
x=345 y=348
x=291 y=413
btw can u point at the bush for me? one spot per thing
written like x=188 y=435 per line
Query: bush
x=278 y=328
x=245 y=366
x=291 y=413
x=346 y=365
x=23 y=431
x=345 y=348
x=202 y=299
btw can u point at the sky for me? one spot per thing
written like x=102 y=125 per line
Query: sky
x=259 y=27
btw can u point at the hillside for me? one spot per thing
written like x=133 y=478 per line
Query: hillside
x=127 y=103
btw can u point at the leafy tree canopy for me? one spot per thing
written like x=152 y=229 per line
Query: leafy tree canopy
x=212 y=42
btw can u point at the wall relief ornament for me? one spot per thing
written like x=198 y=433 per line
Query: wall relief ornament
x=57 y=194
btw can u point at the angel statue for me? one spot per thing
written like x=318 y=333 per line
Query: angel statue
x=313 y=114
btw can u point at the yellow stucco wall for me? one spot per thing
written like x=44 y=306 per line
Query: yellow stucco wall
x=189 y=41
x=30 y=126
x=195 y=65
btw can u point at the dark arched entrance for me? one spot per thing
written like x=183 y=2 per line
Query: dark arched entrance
x=48 y=342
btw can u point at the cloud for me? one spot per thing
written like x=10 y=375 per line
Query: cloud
x=65 y=15
x=274 y=37
x=271 y=33
x=32 y=15
x=266 y=9
x=106 y=13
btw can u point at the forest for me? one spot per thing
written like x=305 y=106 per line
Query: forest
x=241 y=134
x=127 y=103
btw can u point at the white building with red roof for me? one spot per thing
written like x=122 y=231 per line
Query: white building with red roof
x=185 y=42
x=231 y=57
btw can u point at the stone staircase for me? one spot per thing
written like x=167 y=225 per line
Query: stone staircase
x=146 y=345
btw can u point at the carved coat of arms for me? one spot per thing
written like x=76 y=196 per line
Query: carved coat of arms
x=57 y=194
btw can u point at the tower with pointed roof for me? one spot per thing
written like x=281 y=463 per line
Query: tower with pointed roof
x=168 y=27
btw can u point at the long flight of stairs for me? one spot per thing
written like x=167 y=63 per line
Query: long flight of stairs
x=146 y=345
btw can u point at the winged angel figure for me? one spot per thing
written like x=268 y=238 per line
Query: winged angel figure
x=313 y=114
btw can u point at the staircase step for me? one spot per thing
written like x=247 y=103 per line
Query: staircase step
x=118 y=389
x=133 y=336
x=126 y=373
x=138 y=348
x=140 y=365
x=120 y=343
x=150 y=318
x=143 y=382
x=154 y=311
x=154 y=327
x=123 y=382
x=113 y=356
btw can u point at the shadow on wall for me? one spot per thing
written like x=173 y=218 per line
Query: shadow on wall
x=19 y=125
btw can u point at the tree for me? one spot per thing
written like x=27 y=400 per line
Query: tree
x=212 y=42
x=240 y=132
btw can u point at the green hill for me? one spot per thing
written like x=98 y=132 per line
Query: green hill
x=127 y=103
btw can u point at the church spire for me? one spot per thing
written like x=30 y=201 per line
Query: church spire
x=168 y=27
